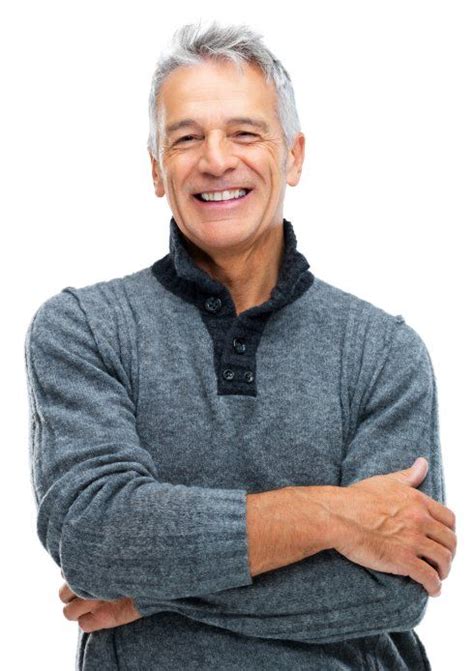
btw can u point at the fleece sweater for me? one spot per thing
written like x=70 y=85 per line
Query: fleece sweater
x=155 y=410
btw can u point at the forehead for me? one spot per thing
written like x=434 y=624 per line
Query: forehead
x=214 y=89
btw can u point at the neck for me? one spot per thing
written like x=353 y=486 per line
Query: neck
x=249 y=275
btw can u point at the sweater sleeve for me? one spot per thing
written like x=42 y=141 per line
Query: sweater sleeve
x=103 y=514
x=395 y=415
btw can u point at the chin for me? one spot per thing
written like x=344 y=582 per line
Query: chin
x=223 y=232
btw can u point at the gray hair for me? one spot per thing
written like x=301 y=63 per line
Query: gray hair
x=191 y=45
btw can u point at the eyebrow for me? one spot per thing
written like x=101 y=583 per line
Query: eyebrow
x=245 y=120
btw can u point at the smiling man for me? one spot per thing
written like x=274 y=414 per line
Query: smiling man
x=224 y=446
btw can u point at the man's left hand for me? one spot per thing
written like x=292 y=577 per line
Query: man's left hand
x=93 y=614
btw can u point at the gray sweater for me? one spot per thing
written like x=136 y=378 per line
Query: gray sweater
x=155 y=409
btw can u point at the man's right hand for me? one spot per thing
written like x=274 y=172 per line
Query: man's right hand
x=385 y=523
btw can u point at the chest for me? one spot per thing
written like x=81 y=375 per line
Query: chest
x=289 y=433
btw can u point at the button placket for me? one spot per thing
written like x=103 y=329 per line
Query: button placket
x=235 y=351
x=239 y=345
x=213 y=304
x=228 y=374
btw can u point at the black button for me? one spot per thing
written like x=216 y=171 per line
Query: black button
x=248 y=375
x=228 y=374
x=213 y=304
x=239 y=346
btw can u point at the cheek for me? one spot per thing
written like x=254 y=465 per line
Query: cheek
x=178 y=172
x=259 y=160
x=269 y=160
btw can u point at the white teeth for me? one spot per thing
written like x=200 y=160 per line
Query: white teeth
x=223 y=195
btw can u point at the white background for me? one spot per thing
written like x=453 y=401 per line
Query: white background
x=384 y=210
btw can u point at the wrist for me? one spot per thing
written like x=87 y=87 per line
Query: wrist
x=318 y=506
x=330 y=500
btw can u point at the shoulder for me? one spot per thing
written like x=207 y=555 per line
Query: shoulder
x=100 y=316
x=368 y=334
x=99 y=300
x=360 y=319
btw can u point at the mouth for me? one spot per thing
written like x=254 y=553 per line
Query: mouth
x=224 y=199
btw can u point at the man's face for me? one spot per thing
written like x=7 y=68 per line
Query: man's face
x=219 y=131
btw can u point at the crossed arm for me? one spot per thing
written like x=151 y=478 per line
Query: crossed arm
x=388 y=528
x=87 y=476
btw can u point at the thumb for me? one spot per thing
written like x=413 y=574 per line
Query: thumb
x=414 y=475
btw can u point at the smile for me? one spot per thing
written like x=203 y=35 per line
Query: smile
x=222 y=199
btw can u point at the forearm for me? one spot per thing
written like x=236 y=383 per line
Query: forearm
x=316 y=596
x=287 y=525
x=309 y=591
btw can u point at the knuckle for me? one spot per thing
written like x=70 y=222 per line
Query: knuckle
x=420 y=498
x=447 y=555
x=433 y=577
x=428 y=577
x=425 y=516
x=104 y=617
x=84 y=622
x=418 y=516
x=406 y=561
x=435 y=590
x=450 y=514
x=433 y=586
x=448 y=566
x=63 y=592
x=447 y=571
x=444 y=568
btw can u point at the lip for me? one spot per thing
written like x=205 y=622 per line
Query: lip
x=227 y=188
x=223 y=204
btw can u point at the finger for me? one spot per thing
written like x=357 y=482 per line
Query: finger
x=443 y=535
x=442 y=513
x=88 y=622
x=109 y=614
x=423 y=573
x=66 y=594
x=78 y=607
x=437 y=556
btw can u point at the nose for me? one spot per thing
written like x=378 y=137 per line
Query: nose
x=217 y=155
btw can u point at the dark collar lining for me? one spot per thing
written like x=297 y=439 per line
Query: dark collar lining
x=178 y=272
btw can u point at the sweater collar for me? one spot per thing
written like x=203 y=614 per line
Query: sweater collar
x=179 y=272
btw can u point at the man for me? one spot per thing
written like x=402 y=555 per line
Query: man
x=224 y=447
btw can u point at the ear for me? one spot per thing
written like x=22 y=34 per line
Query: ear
x=157 y=178
x=294 y=162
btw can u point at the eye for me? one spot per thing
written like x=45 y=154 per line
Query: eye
x=185 y=138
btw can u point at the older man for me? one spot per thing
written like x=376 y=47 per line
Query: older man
x=223 y=445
